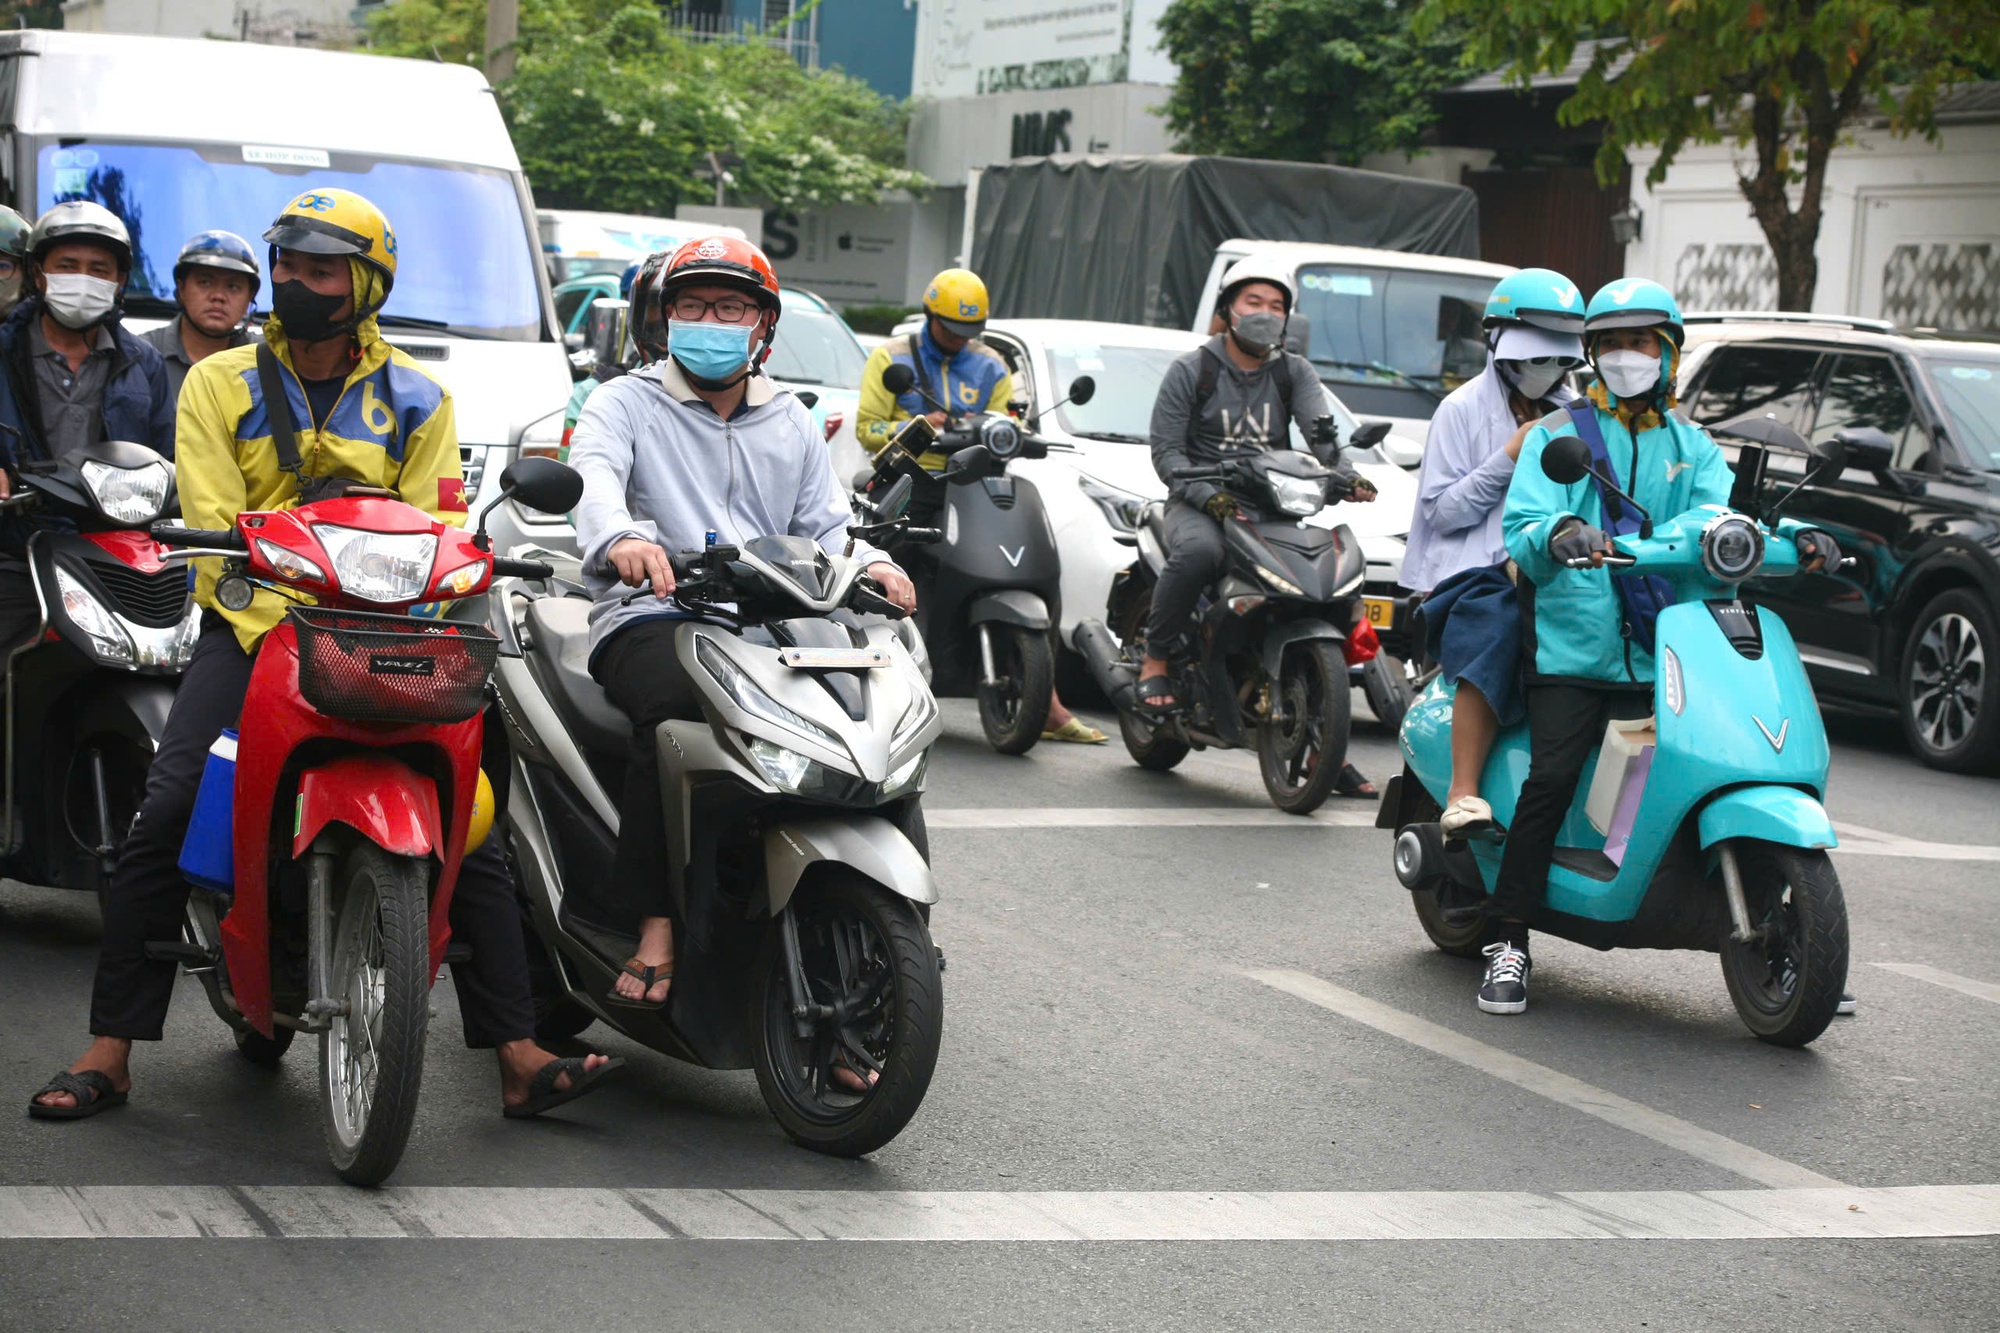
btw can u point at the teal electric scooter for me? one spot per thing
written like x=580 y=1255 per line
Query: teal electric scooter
x=1717 y=838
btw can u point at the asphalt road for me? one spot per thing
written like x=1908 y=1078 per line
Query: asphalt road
x=1113 y=1069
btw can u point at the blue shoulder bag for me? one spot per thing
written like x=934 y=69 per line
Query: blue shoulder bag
x=1642 y=596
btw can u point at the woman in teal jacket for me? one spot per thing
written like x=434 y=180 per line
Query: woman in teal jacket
x=1587 y=648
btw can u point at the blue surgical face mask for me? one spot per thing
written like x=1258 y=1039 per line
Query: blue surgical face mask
x=709 y=351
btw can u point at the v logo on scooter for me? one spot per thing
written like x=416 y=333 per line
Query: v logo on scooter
x=1014 y=556
x=1777 y=741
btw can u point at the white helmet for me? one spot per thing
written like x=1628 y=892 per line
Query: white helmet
x=80 y=220
x=1256 y=268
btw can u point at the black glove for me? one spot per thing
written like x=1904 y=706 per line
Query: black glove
x=1220 y=507
x=1817 y=545
x=1577 y=540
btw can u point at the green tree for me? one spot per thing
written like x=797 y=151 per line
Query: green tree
x=1306 y=80
x=1782 y=78
x=610 y=108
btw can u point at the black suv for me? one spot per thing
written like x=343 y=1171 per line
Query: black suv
x=1914 y=625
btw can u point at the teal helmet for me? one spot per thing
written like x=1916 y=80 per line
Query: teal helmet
x=1635 y=303
x=1539 y=297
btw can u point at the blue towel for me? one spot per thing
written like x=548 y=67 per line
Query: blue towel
x=1472 y=630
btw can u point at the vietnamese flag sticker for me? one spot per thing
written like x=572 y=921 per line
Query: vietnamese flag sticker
x=451 y=494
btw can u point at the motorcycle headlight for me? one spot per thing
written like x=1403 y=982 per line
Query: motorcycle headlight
x=1301 y=497
x=1001 y=437
x=908 y=778
x=752 y=699
x=289 y=565
x=1122 y=509
x=128 y=494
x=917 y=716
x=379 y=566
x=1732 y=548
x=113 y=644
x=787 y=770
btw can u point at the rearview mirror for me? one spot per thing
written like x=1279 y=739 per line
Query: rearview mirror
x=543 y=484
x=1566 y=460
x=1865 y=447
x=1082 y=389
x=895 y=501
x=1368 y=435
x=1765 y=430
x=808 y=397
x=1829 y=459
x=899 y=379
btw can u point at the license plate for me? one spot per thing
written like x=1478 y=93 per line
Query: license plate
x=1381 y=611
x=834 y=659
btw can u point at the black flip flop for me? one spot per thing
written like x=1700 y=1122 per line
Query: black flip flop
x=92 y=1090
x=543 y=1095
x=1151 y=691
x=1350 y=784
x=648 y=977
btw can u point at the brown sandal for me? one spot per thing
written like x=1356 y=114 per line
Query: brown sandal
x=648 y=975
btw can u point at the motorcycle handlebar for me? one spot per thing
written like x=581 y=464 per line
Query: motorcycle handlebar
x=522 y=569
x=923 y=536
x=211 y=539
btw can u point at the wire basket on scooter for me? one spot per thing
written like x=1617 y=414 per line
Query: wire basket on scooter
x=368 y=667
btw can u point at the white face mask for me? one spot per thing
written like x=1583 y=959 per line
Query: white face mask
x=78 y=300
x=1533 y=379
x=1629 y=374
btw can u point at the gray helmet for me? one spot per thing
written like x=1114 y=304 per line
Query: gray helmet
x=219 y=249
x=80 y=220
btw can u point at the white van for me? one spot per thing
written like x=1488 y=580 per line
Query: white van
x=578 y=243
x=179 y=136
x=1390 y=333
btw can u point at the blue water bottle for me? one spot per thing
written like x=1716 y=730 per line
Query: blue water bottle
x=208 y=853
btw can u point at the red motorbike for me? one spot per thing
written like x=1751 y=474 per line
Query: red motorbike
x=356 y=773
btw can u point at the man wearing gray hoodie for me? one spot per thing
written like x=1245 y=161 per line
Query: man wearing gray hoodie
x=695 y=443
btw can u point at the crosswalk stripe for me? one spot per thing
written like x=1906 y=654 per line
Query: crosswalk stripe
x=1696 y=1142
x=336 y=1212
x=1937 y=976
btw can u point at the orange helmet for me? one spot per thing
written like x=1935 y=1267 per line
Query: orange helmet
x=728 y=260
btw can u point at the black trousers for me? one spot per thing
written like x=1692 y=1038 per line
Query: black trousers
x=1194 y=560
x=148 y=896
x=642 y=674
x=20 y=610
x=1565 y=724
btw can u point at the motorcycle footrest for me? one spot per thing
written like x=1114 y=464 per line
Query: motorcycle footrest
x=190 y=956
x=457 y=952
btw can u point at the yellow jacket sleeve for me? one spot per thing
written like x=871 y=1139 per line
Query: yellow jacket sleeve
x=1002 y=397
x=212 y=489
x=433 y=474
x=878 y=414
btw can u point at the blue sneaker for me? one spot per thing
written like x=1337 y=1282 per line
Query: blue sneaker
x=1505 y=987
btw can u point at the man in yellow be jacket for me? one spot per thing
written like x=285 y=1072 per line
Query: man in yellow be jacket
x=950 y=363
x=364 y=413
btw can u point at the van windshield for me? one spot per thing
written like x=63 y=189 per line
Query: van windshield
x=465 y=257
x=1393 y=341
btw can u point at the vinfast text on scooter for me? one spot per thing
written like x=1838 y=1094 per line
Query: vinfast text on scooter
x=1271 y=650
x=1709 y=833
x=791 y=811
x=988 y=593
x=325 y=909
x=88 y=692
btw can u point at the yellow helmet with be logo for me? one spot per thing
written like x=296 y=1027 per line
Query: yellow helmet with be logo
x=337 y=222
x=958 y=299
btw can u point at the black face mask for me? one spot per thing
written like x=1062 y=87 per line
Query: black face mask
x=306 y=315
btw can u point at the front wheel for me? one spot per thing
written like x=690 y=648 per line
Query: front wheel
x=1014 y=709
x=871 y=978
x=372 y=1054
x=1786 y=983
x=1302 y=746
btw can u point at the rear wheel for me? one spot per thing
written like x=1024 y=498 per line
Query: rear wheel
x=1951 y=688
x=1385 y=683
x=269 y=1051
x=372 y=1054
x=1014 y=711
x=1786 y=984
x=871 y=972
x=1303 y=744
x=1149 y=743
x=1461 y=934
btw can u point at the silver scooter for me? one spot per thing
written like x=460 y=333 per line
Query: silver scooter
x=791 y=812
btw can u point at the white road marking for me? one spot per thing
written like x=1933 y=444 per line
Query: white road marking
x=1745 y=1161
x=1855 y=841
x=1151 y=816
x=335 y=1212
x=1978 y=990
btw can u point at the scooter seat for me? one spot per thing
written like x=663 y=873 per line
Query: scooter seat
x=1154 y=519
x=560 y=627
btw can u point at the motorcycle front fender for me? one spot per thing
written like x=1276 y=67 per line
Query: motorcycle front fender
x=384 y=800
x=134 y=706
x=868 y=844
x=1285 y=633
x=1784 y=815
x=1009 y=606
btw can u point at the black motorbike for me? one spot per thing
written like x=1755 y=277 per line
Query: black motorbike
x=88 y=692
x=1268 y=652
x=988 y=593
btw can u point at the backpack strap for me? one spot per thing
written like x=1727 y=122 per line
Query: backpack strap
x=1211 y=367
x=1583 y=414
x=278 y=409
